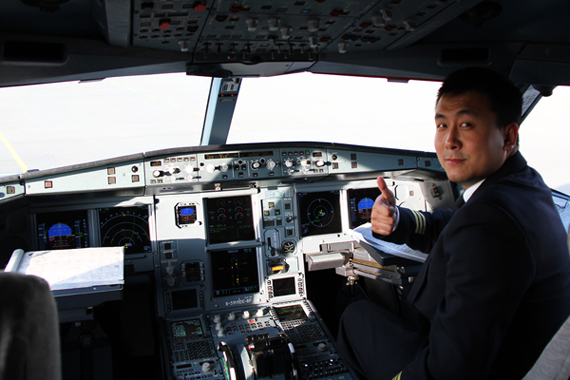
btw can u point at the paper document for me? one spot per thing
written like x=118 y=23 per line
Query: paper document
x=72 y=268
x=364 y=233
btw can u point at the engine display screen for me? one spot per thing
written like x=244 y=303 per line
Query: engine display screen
x=320 y=213
x=125 y=227
x=290 y=313
x=62 y=230
x=190 y=328
x=230 y=219
x=234 y=272
x=360 y=202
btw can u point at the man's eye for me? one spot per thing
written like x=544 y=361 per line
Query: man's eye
x=439 y=126
x=465 y=124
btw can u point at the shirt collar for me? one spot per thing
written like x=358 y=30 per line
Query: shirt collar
x=469 y=192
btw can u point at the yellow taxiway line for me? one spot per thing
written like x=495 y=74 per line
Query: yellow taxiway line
x=13 y=153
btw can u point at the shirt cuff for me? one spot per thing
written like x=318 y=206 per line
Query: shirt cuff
x=397 y=221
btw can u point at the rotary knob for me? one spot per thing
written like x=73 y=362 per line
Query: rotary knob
x=174 y=170
x=289 y=163
x=255 y=165
x=270 y=164
x=157 y=173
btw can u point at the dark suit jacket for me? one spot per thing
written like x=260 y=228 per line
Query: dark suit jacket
x=496 y=285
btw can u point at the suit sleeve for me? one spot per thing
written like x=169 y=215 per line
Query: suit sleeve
x=488 y=267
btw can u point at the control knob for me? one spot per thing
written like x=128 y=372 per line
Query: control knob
x=174 y=170
x=157 y=173
x=206 y=367
x=304 y=161
x=289 y=163
x=255 y=165
x=210 y=168
x=270 y=164
x=224 y=167
x=319 y=163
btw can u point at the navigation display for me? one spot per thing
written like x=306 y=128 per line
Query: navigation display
x=360 y=202
x=62 y=230
x=234 y=272
x=125 y=227
x=230 y=219
x=320 y=213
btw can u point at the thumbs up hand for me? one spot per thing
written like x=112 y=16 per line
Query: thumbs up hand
x=384 y=211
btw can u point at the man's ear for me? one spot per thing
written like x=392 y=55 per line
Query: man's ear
x=511 y=135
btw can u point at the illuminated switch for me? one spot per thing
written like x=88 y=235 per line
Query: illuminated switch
x=164 y=24
x=199 y=6
x=112 y=180
x=110 y=171
x=136 y=178
x=48 y=184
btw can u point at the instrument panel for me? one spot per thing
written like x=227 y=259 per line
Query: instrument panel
x=226 y=235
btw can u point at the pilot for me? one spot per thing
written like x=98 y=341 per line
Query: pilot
x=496 y=285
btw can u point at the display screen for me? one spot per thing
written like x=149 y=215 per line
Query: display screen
x=230 y=219
x=320 y=213
x=290 y=313
x=185 y=214
x=62 y=230
x=257 y=154
x=360 y=202
x=220 y=155
x=125 y=227
x=284 y=286
x=187 y=329
x=234 y=271
x=184 y=299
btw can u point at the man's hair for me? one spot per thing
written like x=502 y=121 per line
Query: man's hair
x=504 y=97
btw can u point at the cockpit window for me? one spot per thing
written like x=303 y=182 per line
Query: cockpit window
x=60 y=124
x=333 y=108
x=53 y=125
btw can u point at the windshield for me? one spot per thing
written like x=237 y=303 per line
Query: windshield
x=54 y=125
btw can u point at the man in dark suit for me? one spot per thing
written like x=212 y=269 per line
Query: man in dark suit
x=496 y=284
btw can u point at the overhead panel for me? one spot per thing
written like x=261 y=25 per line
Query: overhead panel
x=262 y=31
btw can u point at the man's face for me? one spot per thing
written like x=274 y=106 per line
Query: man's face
x=469 y=144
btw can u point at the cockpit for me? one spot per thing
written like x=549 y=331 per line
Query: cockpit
x=223 y=152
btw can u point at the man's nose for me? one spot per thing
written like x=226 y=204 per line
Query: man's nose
x=452 y=140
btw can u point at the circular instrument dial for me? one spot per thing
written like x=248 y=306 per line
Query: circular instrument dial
x=126 y=227
x=320 y=212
